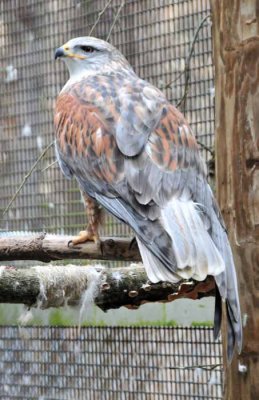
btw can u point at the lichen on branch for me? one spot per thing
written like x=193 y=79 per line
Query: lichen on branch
x=57 y=286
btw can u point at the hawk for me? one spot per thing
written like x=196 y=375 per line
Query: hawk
x=134 y=154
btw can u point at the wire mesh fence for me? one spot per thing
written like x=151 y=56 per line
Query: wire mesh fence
x=155 y=35
x=109 y=363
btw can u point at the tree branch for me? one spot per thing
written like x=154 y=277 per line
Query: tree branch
x=55 y=286
x=52 y=286
x=46 y=248
x=182 y=101
x=186 y=71
x=99 y=16
x=115 y=20
x=26 y=177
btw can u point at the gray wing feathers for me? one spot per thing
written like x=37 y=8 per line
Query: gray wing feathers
x=155 y=269
x=217 y=313
x=63 y=165
x=227 y=286
x=155 y=186
x=140 y=113
x=152 y=235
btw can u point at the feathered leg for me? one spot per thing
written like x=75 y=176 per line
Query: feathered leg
x=93 y=211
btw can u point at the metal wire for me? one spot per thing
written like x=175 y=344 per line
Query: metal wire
x=115 y=363
x=155 y=35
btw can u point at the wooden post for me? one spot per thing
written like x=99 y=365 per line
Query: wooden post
x=236 y=58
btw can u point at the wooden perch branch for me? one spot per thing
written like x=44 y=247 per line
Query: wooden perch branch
x=55 y=286
x=52 y=286
x=46 y=248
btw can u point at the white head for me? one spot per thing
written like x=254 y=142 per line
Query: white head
x=87 y=55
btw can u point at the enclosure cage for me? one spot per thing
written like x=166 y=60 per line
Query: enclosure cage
x=111 y=363
x=157 y=37
x=168 y=42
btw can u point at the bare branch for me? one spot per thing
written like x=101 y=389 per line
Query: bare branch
x=27 y=177
x=186 y=70
x=44 y=247
x=49 y=166
x=205 y=367
x=115 y=19
x=99 y=16
x=209 y=149
x=175 y=79
x=182 y=101
x=52 y=286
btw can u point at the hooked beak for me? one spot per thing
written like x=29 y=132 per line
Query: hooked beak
x=59 y=53
x=64 y=51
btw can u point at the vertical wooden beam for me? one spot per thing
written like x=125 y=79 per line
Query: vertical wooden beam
x=236 y=57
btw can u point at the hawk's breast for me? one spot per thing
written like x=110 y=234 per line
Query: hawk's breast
x=85 y=133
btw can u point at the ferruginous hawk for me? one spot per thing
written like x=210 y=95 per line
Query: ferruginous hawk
x=134 y=154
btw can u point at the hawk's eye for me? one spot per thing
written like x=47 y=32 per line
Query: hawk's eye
x=87 y=49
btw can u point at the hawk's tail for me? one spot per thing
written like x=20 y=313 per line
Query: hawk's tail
x=195 y=253
x=183 y=245
x=199 y=254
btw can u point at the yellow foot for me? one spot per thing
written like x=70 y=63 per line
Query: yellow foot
x=85 y=236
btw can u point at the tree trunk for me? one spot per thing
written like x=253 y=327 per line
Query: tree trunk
x=236 y=57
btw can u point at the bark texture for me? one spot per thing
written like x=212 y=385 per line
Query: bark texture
x=236 y=57
x=46 y=248
x=52 y=286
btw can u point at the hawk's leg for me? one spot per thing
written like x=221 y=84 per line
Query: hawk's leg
x=93 y=211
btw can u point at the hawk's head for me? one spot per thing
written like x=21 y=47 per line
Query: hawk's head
x=89 y=54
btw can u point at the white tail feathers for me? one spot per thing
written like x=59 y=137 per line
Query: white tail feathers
x=196 y=256
x=195 y=252
x=156 y=271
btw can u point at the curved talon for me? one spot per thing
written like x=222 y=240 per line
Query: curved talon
x=83 y=237
x=133 y=243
